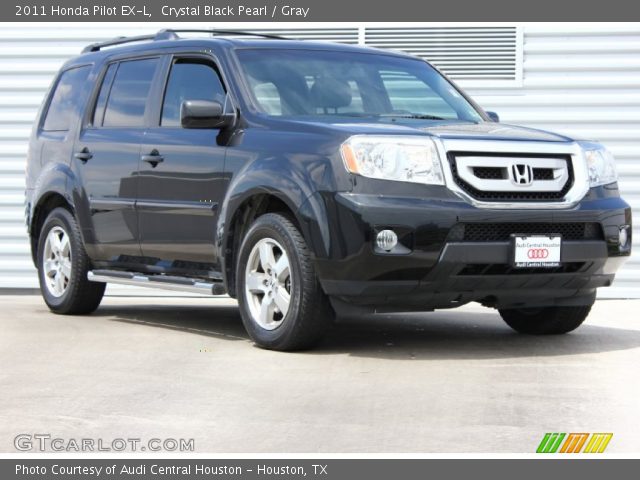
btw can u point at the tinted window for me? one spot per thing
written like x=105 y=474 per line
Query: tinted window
x=98 y=113
x=299 y=82
x=189 y=81
x=267 y=96
x=408 y=93
x=129 y=92
x=59 y=113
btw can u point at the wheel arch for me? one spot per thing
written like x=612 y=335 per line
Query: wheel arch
x=56 y=187
x=252 y=205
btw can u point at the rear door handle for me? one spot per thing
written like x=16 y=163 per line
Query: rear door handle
x=154 y=158
x=83 y=155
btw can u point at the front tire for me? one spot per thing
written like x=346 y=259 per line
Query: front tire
x=281 y=302
x=545 y=320
x=63 y=265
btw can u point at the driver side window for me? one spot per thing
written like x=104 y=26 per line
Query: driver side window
x=189 y=79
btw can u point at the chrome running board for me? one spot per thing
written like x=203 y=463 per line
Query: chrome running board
x=167 y=282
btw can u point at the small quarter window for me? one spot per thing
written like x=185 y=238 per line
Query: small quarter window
x=60 y=111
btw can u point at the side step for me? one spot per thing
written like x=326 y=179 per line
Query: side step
x=182 y=284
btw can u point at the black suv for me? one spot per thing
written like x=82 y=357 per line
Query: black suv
x=308 y=180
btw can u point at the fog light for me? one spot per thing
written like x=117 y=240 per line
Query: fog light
x=386 y=240
x=623 y=236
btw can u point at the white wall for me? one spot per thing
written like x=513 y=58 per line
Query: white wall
x=581 y=79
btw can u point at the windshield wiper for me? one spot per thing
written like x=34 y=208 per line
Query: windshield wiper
x=417 y=116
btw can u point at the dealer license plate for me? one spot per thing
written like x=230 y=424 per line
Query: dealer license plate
x=536 y=251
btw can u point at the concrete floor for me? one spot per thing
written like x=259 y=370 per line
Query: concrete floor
x=453 y=381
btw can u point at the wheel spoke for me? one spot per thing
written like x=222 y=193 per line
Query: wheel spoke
x=64 y=245
x=282 y=300
x=59 y=282
x=65 y=268
x=267 y=259
x=282 y=267
x=54 y=241
x=49 y=267
x=255 y=282
x=266 y=310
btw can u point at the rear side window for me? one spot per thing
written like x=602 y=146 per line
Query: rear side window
x=189 y=80
x=129 y=92
x=67 y=90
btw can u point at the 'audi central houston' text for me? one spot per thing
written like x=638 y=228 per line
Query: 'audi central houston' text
x=155 y=469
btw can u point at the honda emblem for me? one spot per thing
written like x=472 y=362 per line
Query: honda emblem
x=521 y=174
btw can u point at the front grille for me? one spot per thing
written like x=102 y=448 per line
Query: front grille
x=506 y=269
x=543 y=174
x=498 y=173
x=500 y=232
x=489 y=173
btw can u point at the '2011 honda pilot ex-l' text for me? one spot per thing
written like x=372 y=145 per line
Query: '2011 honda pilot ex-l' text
x=310 y=180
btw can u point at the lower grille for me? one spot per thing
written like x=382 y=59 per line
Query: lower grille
x=506 y=269
x=501 y=232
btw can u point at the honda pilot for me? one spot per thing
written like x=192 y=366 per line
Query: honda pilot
x=309 y=180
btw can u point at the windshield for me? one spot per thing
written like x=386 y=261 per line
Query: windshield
x=322 y=82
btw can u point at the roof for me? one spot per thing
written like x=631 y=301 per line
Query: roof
x=223 y=39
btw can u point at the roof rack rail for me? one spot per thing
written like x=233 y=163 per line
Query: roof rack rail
x=216 y=32
x=170 y=34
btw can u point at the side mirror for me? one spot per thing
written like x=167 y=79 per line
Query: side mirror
x=493 y=116
x=204 y=114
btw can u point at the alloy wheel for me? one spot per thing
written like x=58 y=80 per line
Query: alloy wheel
x=268 y=283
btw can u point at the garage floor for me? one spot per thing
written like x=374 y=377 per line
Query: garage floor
x=451 y=381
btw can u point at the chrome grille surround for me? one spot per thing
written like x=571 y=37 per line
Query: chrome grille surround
x=467 y=163
x=519 y=149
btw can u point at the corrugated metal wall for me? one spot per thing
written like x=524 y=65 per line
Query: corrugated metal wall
x=468 y=52
x=583 y=80
x=579 y=79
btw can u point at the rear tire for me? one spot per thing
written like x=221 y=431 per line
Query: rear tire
x=63 y=265
x=545 y=320
x=281 y=301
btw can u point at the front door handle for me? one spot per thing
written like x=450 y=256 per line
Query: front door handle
x=83 y=155
x=154 y=158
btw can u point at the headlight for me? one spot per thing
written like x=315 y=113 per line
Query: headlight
x=400 y=158
x=600 y=164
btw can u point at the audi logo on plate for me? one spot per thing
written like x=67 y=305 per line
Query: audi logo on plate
x=537 y=253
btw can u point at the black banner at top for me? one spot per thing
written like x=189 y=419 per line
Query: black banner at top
x=217 y=11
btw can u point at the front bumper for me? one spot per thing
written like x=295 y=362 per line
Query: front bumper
x=440 y=269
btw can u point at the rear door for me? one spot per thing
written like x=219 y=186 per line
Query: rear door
x=181 y=178
x=107 y=154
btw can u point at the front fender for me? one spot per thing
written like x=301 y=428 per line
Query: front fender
x=291 y=179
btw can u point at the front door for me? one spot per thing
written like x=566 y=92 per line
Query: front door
x=181 y=177
x=107 y=154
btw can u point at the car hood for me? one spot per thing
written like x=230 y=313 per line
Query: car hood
x=444 y=130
